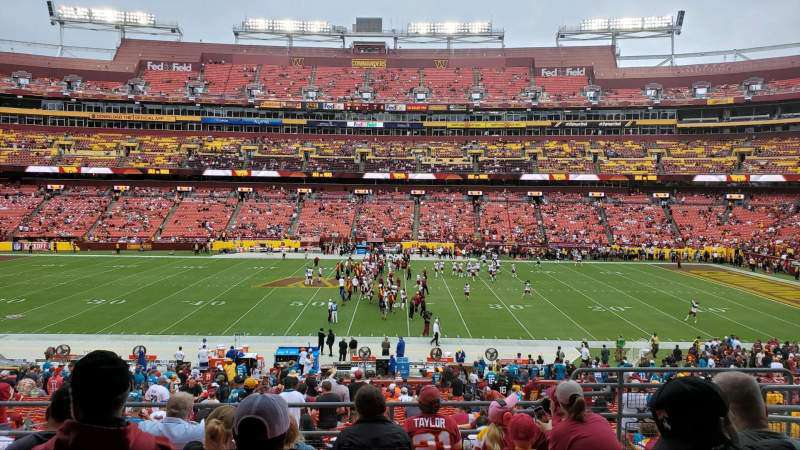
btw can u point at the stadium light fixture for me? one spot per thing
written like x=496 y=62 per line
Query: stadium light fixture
x=108 y=19
x=105 y=15
x=422 y=28
x=614 y=29
x=285 y=26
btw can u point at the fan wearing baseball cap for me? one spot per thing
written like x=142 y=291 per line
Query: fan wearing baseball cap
x=692 y=414
x=575 y=428
x=497 y=435
x=263 y=422
x=431 y=429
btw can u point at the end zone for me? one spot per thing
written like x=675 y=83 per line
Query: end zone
x=766 y=288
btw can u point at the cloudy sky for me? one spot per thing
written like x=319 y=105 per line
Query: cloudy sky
x=709 y=24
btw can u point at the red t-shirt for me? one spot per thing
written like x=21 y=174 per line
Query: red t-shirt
x=432 y=432
x=5 y=395
x=594 y=433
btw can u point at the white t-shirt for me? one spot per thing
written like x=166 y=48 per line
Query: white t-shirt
x=341 y=282
x=202 y=355
x=585 y=354
x=156 y=394
x=293 y=397
x=436 y=327
x=180 y=356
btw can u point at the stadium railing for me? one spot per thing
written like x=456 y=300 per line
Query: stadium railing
x=614 y=389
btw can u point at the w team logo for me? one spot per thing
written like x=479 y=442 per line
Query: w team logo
x=298 y=62
x=440 y=63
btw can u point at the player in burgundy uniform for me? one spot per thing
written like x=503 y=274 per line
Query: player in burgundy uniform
x=430 y=430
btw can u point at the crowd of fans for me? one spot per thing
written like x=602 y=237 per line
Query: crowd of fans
x=239 y=405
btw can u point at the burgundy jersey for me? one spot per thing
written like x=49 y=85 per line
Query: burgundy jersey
x=433 y=432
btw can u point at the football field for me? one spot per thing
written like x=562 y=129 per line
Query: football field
x=200 y=295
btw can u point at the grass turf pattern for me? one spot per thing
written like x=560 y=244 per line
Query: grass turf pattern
x=219 y=296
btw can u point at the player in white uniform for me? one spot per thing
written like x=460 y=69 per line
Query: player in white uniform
x=693 y=311
x=319 y=275
x=514 y=270
x=403 y=298
x=309 y=276
x=466 y=291
x=527 y=290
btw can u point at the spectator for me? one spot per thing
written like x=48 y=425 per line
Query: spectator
x=176 y=427
x=356 y=385
x=58 y=412
x=99 y=386
x=218 y=432
x=328 y=417
x=523 y=432
x=372 y=430
x=691 y=414
x=431 y=429
x=748 y=413
x=263 y=422
x=401 y=347
x=575 y=428
x=496 y=436
x=6 y=392
x=291 y=395
x=158 y=393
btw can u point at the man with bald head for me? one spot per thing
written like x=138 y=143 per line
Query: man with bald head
x=749 y=413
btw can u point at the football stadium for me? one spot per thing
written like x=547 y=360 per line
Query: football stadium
x=444 y=232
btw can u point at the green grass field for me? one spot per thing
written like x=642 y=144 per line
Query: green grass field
x=186 y=295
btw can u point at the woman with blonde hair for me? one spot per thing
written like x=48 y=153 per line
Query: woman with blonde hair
x=218 y=431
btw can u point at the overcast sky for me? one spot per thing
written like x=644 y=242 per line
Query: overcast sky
x=709 y=24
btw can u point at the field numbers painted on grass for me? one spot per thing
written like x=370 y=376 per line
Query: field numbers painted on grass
x=597 y=308
x=203 y=302
x=716 y=310
x=263 y=267
x=12 y=301
x=124 y=266
x=300 y=304
x=515 y=307
x=50 y=265
x=102 y=301
x=190 y=267
x=611 y=272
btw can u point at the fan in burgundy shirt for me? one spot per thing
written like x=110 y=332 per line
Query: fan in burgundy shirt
x=431 y=430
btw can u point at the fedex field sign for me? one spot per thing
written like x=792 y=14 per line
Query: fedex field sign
x=165 y=66
x=562 y=72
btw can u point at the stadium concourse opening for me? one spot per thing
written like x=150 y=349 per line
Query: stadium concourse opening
x=371 y=245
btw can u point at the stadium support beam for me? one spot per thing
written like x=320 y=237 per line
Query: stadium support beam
x=743 y=53
x=622 y=28
x=109 y=20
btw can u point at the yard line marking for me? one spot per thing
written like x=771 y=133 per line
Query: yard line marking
x=308 y=302
x=115 y=298
x=191 y=313
x=355 y=310
x=689 y=274
x=598 y=303
x=565 y=315
x=69 y=271
x=89 y=288
x=716 y=314
x=640 y=301
x=454 y=304
x=264 y=297
x=164 y=298
x=507 y=308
